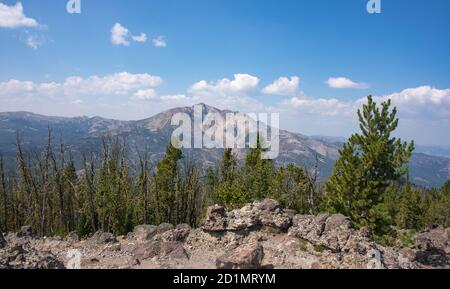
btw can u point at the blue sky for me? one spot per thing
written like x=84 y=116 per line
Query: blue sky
x=229 y=53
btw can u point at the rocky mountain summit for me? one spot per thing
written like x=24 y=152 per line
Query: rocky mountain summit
x=259 y=235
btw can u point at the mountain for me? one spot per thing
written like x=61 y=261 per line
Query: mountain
x=83 y=134
x=440 y=151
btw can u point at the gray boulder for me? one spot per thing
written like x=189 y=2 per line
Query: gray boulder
x=333 y=232
x=215 y=219
x=17 y=257
x=433 y=239
x=247 y=256
x=26 y=231
x=101 y=238
x=180 y=233
x=268 y=213
x=72 y=237
x=144 y=232
x=164 y=227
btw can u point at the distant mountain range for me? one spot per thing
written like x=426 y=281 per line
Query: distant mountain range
x=84 y=134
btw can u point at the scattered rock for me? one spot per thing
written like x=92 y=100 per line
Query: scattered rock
x=164 y=227
x=178 y=234
x=173 y=250
x=19 y=258
x=333 y=232
x=113 y=247
x=26 y=231
x=72 y=237
x=242 y=219
x=215 y=219
x=244 y=257
x=268 y=205
x=250 y=217
x=144 y=232
x=251 y=237
x=101 y=238
x=434 y=239
x=147 y=250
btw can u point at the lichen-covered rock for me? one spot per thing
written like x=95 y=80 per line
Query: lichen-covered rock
x=433 y=239
x=72 y=237
x=251 y=237
x=26 y=231
x=101 y=238
x=159 y=249
x=17 y=257
x=250 y=217
x=333 y=232
x=178 y=234
x=433 y=248
x=215 y=219
x=164 y=227
x=144 y=232
x=245 y=218
x=268 y=205
x=247 y=256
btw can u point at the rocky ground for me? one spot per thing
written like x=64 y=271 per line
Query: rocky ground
x=260 y=235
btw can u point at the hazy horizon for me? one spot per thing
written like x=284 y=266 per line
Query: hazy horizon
x=310 y=61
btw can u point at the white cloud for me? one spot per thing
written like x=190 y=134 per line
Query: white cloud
x=242 y=84
x=140 y=38
x=325 y=107
x=119 y=35
x=424 y=102
x=284 y=86
x=13 y=17
x=159 y=42
x=145 y=94
x=343 y=82
x=175 y=97
x=134 y=96
x=117 y=84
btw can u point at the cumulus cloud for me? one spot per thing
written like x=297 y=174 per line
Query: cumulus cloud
x=14 y=17
x=424 y=102
x=145 y=94
x=131 y=96
x=284 y=86
x=345 y=83
x=236 y=94
x=120 y=35
x=321 y=106
x=122 y=83
x=242 y=84
x=159 y=42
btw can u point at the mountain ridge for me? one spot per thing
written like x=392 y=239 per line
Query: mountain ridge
x=153 y=133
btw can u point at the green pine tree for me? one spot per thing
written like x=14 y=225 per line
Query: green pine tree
x=257 y=173
x=289 y=186
x=166 y=184
x=367 y=164
x=410 y=208
x=228 y=190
